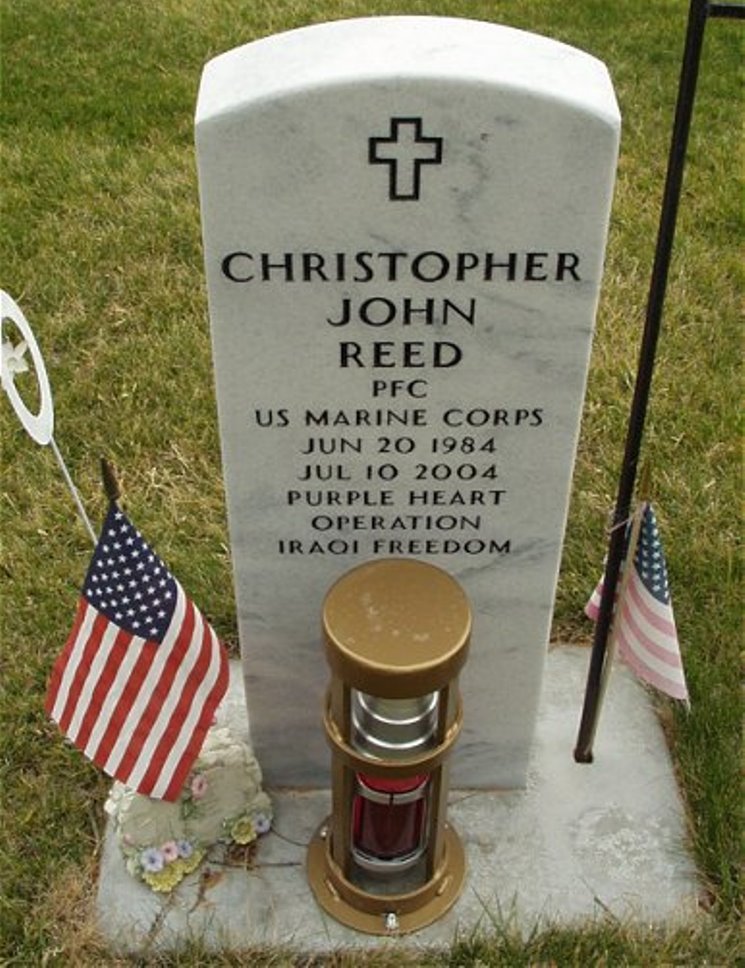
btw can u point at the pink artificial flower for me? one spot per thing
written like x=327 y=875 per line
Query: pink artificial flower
x=170 y=851
x=198 y=786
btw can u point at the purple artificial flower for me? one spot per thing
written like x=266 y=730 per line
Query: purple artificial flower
x=185 y=849
x=152 y=860
x=262 y=823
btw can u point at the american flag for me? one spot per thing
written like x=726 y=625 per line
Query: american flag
x=142 y=673
x=643 y=624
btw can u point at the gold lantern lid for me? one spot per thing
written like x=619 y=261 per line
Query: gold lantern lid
x=396 y=628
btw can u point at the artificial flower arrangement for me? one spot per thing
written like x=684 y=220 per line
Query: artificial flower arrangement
x=222 y=802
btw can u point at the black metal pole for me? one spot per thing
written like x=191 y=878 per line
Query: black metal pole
x=735 y=10
x=697 y=16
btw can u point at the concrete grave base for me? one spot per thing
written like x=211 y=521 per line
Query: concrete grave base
x=578 y=843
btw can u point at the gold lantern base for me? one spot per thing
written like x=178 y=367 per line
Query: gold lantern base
x=390 y=914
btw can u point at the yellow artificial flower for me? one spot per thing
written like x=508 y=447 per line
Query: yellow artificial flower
x=173 y=873
x=164 y=880
x=242 y=831
x=189 y=864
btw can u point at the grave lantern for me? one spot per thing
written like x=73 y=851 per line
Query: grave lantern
x=396 y=635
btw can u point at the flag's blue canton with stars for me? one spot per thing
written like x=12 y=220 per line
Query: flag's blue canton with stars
x=650 y=560
x=128 y=582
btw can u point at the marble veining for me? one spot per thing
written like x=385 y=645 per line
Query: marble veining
x=407 y=216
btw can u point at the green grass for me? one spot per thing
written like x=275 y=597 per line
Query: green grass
x=101 y=247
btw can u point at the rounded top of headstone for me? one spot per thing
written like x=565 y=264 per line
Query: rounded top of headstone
x=396 y=627
x=404 y=48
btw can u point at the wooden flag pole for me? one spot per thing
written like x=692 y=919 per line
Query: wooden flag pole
x=110 y=482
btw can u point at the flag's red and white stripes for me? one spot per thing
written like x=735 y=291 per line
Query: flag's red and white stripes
x=643 y=627
x=648 y=640
x=592 y=608
x=138 y=708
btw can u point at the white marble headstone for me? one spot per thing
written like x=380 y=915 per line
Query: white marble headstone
x=404 y=226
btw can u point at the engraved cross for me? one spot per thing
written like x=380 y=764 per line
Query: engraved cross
x=405 y=150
